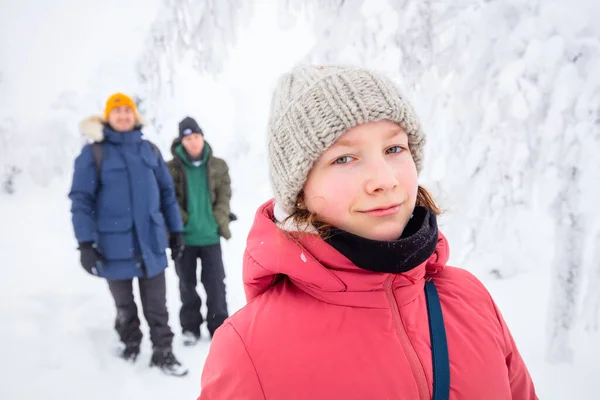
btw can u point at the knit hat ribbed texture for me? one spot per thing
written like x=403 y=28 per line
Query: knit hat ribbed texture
x=119 y=100
x=313 y=106
x=187 y=126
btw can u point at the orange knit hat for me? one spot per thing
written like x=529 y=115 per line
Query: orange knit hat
x=119 y=100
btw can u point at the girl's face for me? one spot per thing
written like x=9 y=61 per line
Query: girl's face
x=366 y=182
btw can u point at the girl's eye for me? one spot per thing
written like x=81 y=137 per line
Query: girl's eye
x=343 y=160
x=394 y=150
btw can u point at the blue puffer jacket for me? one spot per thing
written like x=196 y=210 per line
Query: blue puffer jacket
x=124 y=213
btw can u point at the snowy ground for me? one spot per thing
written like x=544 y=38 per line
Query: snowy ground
x=56 y=320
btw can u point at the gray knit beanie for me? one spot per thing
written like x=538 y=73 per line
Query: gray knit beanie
x=313 y=106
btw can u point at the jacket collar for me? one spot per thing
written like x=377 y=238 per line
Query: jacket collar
x=321 y=271
x=95 y=128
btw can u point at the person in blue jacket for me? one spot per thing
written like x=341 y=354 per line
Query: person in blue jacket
x=123 y=209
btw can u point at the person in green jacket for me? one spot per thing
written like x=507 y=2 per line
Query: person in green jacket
x=203 y=190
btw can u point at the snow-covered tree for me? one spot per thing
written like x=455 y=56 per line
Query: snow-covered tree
x=202 y=32
x=592 y=298
x=8 y=167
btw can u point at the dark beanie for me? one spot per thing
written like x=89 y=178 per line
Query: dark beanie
x=187 y=126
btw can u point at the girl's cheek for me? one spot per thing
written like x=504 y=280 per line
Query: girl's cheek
x=336 y=188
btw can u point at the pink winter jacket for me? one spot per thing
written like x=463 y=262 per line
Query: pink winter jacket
x=318 y=327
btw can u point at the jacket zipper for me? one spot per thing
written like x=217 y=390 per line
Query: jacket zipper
x=139 y=257
x=409 y=350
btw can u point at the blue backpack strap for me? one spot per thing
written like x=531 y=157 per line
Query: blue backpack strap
x=439 y=344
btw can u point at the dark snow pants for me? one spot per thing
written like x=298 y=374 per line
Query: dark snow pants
x=212 y=278
x=154 y=303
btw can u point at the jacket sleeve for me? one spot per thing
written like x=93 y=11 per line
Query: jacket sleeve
x=83 y=196
x=175 y=176
x=223 y=197
x=184 y=215
x=168 y=201
x=521 y=384
x=228 y=371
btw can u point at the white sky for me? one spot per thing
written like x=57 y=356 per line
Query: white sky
x=82 y=46
x=47 y=47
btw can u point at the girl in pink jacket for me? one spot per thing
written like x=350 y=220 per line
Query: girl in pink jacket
x=349 y=295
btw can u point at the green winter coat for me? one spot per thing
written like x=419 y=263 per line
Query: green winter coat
x=219 y=187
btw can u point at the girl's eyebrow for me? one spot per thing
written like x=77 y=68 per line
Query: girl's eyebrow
x=394 y=132
x=389 y=135
x=345 y=143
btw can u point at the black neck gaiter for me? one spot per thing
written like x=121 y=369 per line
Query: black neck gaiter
x=415 y=246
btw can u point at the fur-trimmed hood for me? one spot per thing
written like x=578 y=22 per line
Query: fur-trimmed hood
x=93 y=127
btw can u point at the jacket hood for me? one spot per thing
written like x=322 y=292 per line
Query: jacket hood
x=93 y=127
x=182 y=154
x=177 y=142
x=320 y=270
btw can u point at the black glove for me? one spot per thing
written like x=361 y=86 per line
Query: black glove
x=177 y=245
x=89 y=256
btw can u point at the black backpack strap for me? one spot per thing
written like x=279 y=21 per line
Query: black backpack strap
x=97 y=152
